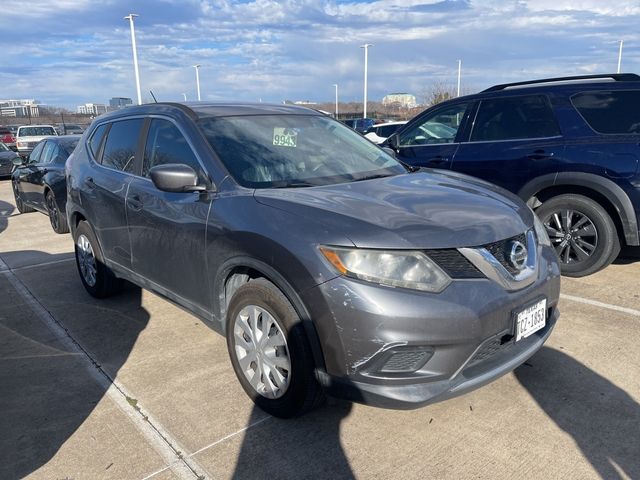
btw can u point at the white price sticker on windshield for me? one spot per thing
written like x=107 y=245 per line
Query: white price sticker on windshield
x=285 y=137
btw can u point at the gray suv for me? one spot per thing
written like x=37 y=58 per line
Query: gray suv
x=328 y=265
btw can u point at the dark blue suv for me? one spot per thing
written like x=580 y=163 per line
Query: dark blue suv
x=567 y=146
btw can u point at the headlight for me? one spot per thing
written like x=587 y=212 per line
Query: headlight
x=405 y=269
x=541 y=232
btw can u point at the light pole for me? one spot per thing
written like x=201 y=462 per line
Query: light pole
x=459 y=73
x=336 y=85
x=366 y=61
x=185 y=96
x=620 y=56
x=197 y=67
x=130 y=17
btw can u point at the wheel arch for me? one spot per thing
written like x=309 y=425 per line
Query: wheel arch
x=602 y=190
x=237 y=271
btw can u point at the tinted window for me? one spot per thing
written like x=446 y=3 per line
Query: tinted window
x=440 y=126
x=34 y=156
x=96 y=140
x=166 y=144
x=610 y=112
x=35 y=131
x=514 y=118
x=120 y=146
x=49 y=152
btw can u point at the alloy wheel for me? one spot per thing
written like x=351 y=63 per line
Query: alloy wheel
x=52 y=208
x=86 y=260
x=573 y=235
x=261 y=350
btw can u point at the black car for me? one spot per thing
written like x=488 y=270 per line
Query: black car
x=6 y=160
x=39 y=183
x=569 y=147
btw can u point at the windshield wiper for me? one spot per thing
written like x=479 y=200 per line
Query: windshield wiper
x=295 y=185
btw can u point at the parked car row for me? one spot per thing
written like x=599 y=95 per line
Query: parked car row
x=332 y=265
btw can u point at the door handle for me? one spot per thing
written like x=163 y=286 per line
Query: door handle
x=135 y=203
x=439 y=160
x=539 y=155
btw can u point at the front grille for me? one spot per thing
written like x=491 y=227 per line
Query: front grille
x=454 y=263
x=500 y=250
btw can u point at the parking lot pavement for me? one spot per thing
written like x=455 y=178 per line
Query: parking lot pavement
x=134 y=387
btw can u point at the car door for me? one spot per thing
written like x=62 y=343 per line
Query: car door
x=28 y=173
x=115 y=149
x=513 y=138
x=432 y=139
x=167 y=229
x=41 y=168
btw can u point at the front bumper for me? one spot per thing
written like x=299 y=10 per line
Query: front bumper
x=460 y=338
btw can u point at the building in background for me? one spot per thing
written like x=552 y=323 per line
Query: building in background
x=117 y=103
x=20 y=108
x=92 y=109
x=405 y=100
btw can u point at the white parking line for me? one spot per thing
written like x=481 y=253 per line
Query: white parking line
x=158 y=438
x=43 y=264
x=595 y=303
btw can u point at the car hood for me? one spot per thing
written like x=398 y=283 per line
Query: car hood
x=433 y=209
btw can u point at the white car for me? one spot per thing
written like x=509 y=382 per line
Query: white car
x=28 y=137
x=379 y=133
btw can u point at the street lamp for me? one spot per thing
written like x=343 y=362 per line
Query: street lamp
x=185 y=96
x=197 y=67
x=459 y=73
x=366 y=60
x=336 y=85
x=130 y=17
x=620 y=55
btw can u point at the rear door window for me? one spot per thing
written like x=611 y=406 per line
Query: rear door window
x=614 y=112
x=121 y=144
x=514 y=118
x=49 y=152
x=34 y=156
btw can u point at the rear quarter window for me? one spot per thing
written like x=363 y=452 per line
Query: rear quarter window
x=610 y=112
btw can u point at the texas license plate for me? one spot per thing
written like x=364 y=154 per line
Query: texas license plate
x=531 y=319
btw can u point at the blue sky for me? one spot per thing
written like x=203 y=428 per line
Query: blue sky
x=69 y=52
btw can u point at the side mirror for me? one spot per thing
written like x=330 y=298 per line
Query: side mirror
x=393 y=141
x=175 y=177
x=18 y=161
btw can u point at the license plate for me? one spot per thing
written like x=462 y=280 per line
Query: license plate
x=531 y=319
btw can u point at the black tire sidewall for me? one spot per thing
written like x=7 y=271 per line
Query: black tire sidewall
x=608 y=242
x=296 y=400
x=20 y=205
x=60 y=218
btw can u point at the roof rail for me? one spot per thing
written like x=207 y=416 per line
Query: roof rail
x=618 y=77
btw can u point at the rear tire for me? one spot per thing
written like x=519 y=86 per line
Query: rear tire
x=20 y=205
x=57 y=218
x=582 y=232
x=270 y=352
x=97 y=278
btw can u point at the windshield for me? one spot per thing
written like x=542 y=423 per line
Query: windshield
x=275 y=151
x=36 y=131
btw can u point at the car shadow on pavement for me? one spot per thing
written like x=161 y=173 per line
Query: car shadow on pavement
x=302 y=448
x=603 y=419
x=6 y=210
x=47 y=387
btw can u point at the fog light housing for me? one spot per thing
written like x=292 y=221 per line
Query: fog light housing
x=402 y=360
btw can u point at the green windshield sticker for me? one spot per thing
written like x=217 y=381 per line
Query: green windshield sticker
x=285 y=137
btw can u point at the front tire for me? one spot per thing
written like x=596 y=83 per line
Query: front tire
x=57 y=218
x=20 y=205
x=270 y=352
x=582 y=232
x=98 y=280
